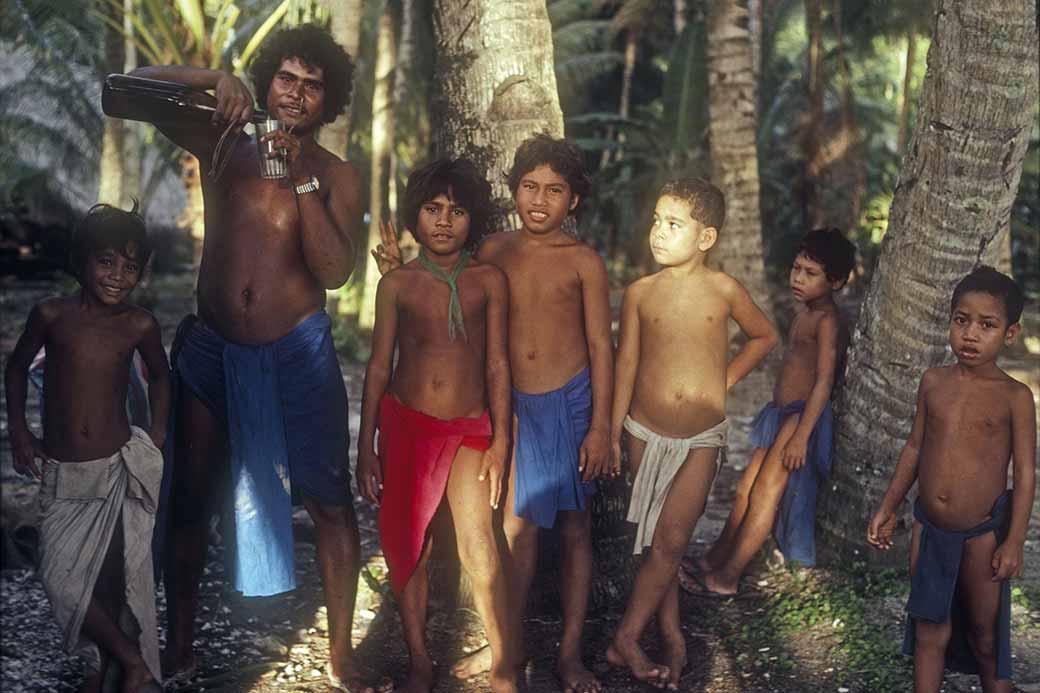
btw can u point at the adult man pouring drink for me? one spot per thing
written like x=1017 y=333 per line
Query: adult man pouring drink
x=259 y=380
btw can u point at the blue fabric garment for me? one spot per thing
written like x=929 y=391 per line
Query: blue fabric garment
x=933 y=589
x=284 y=407
x=795 y=528
x=550 y=429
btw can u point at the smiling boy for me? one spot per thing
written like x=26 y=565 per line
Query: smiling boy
x=969 y=531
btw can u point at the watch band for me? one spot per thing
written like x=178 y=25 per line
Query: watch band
x=309 y=186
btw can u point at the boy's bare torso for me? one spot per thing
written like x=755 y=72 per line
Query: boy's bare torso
x=86 y=378
x=433 y=374
x=680 y=384
x=254 y=285
x=798 y=372
x=966 y=446
x=547 y=341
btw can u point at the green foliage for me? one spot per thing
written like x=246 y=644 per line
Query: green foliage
x=350 y=340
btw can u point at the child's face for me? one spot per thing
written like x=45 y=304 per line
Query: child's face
x=543 y=200
x=808 y=280
x=110 y=275
x=297 y=95
x=675 y=236
x=979 y=328
x=442 y=226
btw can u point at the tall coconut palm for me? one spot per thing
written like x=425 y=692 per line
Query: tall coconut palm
x=345 y=25
x=950 y=212
x=733 y=127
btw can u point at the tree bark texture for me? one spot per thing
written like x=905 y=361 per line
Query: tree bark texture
x=382 y=143
x=733 y=130
x=495 y=84
x=950 y=212
x=811 y=208
x=345 y=25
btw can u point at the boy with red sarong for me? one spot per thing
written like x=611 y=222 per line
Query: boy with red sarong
x=443 y=410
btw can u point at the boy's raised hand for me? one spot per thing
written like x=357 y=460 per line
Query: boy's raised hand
x=492 y=468
x=594 y=456
x=388 y=253
x=27 y=448
x=881 y=528
x=1007 y=561
x=370 y=476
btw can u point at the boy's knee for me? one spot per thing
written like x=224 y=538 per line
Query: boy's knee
x=480 y=563
x=983 y=643
x=520 y=533
x=932 y=636
x=667 y=550
x=576 y=530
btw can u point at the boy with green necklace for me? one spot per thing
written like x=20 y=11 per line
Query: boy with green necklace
x=443 y=410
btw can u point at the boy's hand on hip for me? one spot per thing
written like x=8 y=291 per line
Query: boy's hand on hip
x=26 y=449
x=1007 y=561
x=594 y=455
x=492 y=468
x=880 y=529
x=793 y=455
x=370 y=476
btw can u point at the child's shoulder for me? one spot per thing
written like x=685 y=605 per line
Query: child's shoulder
x=484 y=271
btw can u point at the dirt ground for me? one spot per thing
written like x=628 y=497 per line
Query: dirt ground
x=279 y=644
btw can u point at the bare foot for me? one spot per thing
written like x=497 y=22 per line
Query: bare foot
x=622 y=653
x=502 y=684
x=675 y=656
x=575 y=678
x=136 y=677
x=717 y=584
x=473 y=664
x=350 y=680
x=420 y=678
x=698 y=564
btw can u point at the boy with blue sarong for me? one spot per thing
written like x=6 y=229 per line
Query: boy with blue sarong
x=969 y=531
x=100 y=474
x=792 y=433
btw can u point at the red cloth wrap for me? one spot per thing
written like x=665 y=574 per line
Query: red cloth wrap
x=416 y=451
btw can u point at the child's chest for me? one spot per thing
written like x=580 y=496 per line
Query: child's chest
x=96 y=345
x=961 y=412
x=537 y=281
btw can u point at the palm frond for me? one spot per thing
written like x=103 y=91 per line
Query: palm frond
x=582 y=69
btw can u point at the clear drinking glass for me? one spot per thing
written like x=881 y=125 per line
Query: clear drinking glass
x=270 y=167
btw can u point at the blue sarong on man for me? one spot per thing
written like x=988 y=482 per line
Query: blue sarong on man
x=551 y=427
x=795 y=528
x=284 y=408
x=933 y=589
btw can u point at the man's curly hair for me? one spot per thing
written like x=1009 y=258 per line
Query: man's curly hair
x=313 y=45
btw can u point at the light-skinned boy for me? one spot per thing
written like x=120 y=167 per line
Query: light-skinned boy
x=561 y=361
x=100 y=477
x=442 y=410
x=792 y=434
x=969 y=531
x=672 y=377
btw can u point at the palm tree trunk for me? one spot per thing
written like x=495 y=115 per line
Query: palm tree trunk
x=345 y=25
x=950 y=212
x=495 y=84
x=110 y=174
x=382 y=143
x=904 y=107
x=811 y=211
x=733 y=126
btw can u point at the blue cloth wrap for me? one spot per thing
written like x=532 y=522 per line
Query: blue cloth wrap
x=551 y=427
x=284 y=407
x=933 y=589
x=795 y=528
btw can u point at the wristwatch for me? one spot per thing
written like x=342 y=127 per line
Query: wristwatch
x=309 y=186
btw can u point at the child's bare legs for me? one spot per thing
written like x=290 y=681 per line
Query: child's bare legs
x=981 y=601
x=101 y=622
x=575 y=583
x=930 y=639
x=478 y=552
x=682 y=509
x=412 y=606
x=742 y=494
x=671 y=633
x=764 y=499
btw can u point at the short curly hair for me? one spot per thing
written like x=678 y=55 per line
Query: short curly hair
x=561 y=155
x=105 y=227
x=706 y=201
x=462 y=183
x=313 y=45
x=829 y=247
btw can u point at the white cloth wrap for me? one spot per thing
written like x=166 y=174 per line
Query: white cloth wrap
x=661 y=461
x=80 y=503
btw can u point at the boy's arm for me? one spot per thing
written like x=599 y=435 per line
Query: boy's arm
x=1008 y=558
x=761 y=334
x=154 y=357
x=234 y=105
x=827 y=331
x=879 y=531
x=498 y=383
x=25 y=446
x=377 y=378
x=625 y=364
x=595 y=288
